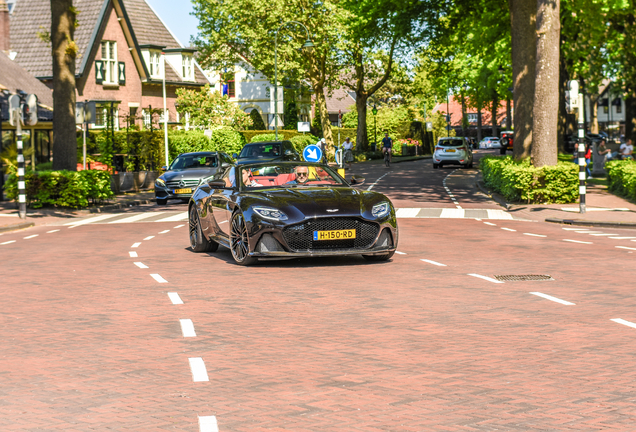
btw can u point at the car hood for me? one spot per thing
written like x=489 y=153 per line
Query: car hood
x=319 y=201
x=192 y=173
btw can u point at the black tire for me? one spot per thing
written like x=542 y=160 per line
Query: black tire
x=502 y=150
x=198 y=241
x=376 y=258
x=435 y=166
x=470 y=165
x=441 y=165
x=162 y=201
x=239 y=240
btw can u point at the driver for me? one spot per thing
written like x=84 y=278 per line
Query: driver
x=302 y=175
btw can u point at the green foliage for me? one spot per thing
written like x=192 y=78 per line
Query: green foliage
x=316 y=125
x=520 y=181
x=9 y=157
x=622 y=178
x=302 y=141
x=73 y=189
x=264 y=137
x=291 y=116
x=211 y=109
x=350 y=119
x=257 y=120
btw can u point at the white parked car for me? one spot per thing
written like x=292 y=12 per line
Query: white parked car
x=490 y=143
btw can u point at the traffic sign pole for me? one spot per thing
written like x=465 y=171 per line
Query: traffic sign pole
x=582 y=161
x=21 y=185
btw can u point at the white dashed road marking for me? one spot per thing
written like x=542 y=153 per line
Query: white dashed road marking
x=509 y=229
x=554 y=299
x=599 y=235
x=534 y=235
x=141 y=265
x=490 y=223
x=179 y=226
x=31 y=236
x=158 y=278
x=208 y=424
x=7 y=242
x=622 y=238
x=174 y=298
x=197 y=366
x=135 y=245
x=484 y=278
x=625 y=247
x=400 y=253
x=622 y=321
x=376 y=182
x=187 y=328
x=574 y=229
x=434 y=263
x=164 y=231
x=577 y=241
x=132 y=254
x=49 y=232
x=91 y=220
x=149 y=237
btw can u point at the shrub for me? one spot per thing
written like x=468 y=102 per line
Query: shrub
x=257 y=120
x=265 y=137
x=520 y=181
x=62 y=188
x=302 y=141
x=622 y=178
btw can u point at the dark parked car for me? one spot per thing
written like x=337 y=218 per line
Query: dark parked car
x=282 y=210
x=185 y=172
x=266 y=151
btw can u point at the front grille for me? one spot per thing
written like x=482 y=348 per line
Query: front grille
x=515 y=278
x=300 y=237
x=189 y=183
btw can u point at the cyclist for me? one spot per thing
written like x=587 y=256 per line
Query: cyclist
x=387 y=145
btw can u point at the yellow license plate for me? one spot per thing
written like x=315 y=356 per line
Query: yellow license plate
x=450 y=151
x=335 y=235
x=183 y=191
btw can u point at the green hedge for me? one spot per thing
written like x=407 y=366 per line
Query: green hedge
x=62 y=188
x=621 y=176
x=520 y=181
x=224 y=139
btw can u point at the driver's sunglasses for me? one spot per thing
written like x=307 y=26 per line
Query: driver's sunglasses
x=303 y=174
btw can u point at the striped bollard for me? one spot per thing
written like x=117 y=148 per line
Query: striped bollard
x=582 y=165
x=21 y=185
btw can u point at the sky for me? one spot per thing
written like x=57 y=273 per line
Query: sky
x=176 y=15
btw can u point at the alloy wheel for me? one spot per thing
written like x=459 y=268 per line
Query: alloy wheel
x=193 y=222
x=238 y=238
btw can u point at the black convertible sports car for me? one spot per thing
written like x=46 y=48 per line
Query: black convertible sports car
x=290 y=209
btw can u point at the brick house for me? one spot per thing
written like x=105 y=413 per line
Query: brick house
x=119 y=65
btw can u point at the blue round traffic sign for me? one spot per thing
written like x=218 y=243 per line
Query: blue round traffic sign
x=312 y=153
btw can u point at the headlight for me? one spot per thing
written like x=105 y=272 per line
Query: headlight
x=380 y=210
x=160 y=182
x=270 y=213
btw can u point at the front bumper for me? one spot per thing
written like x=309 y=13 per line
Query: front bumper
x=163 y=192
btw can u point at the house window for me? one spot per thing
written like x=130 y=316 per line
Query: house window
x=155 y=69
x=227 y=86
x=605 y=109
x=188 y=68
x=146 y=118
x=109 y=57
x=619 y=107
x=472 y=118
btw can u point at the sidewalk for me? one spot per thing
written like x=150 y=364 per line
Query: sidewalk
x=602 y=209
x=10 y=220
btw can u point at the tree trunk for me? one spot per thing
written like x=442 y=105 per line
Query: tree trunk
x=563 y=114
x=630 y=115
x=362 y=139
x=546 y=92
x=64 y=51
x=508 y=114
x=321 y=102
x=479 y=133
x=523 y=33
x=594 y=113
x=493 y=113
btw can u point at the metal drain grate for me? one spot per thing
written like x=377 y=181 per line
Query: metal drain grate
x=514 y=278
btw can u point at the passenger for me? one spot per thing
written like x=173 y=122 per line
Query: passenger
x=302 y=175
x=248 y=180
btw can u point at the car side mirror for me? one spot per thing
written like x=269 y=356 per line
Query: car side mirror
x=216 y=184
x=225 y=165
x=234 y=155
x=356 y=180
x=164 y=168
x=288 y=152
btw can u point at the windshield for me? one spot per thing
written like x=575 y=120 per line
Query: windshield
x=194 y=161
x=450 y=143
x=288 y=175
x=260 y=151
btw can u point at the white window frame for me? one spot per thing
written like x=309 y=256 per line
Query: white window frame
x=145 y=115
x=111 y=71
x=472 y=117
x=154 y=64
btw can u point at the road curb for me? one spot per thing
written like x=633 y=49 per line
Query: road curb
x=579 y=222
x=494 y=195
x=16 y=227
x=121 y=205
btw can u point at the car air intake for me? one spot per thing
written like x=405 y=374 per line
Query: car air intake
x=300 y=237
x=269 y=244
x=385 y=239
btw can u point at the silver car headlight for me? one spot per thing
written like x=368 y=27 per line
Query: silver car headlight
x=160 y=182
x=381 y=210
x=270 y=213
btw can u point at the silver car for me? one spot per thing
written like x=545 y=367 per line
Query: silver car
x=490 y=143
x=453 y=151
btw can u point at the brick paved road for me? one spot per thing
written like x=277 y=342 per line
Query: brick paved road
x=91 y=341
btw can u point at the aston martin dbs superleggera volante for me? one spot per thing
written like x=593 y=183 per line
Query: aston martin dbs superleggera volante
x=282 y=210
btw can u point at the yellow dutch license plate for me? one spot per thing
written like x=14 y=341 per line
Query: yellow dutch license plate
x=183 y=191
x=335 y=235
x=450 y=151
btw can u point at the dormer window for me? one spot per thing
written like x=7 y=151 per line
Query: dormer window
x=155 y=65
x=188 y=67
x=109 y=59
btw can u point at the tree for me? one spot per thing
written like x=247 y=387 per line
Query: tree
x=64 y=51
x=546 y=91
x=211 y=110
x=228 y=35
x=257 y=120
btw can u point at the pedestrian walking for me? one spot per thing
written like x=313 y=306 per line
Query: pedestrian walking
x=348 y=151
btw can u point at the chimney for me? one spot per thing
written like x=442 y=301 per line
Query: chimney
x=4 y=27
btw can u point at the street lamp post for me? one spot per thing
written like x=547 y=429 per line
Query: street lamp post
x=375 y=130
x=308 y=44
